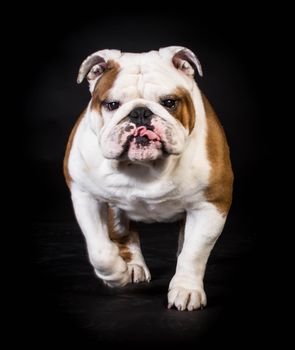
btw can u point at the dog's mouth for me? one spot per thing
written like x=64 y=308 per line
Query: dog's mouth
x=143 y=143
x=143 y=136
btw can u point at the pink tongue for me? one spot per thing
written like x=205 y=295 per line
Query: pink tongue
x=143 y=131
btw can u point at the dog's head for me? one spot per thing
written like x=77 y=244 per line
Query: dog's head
x=141 y=104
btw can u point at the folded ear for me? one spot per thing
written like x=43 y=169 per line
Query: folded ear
x=95 y=65
x=183 y=59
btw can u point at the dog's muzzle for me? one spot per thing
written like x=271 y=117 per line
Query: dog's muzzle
x=143 y=133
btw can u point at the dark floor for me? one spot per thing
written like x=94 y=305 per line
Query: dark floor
x=67 y=304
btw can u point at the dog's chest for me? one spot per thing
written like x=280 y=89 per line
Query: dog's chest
x=162 y=199
x=143 y=209
x=142 y=205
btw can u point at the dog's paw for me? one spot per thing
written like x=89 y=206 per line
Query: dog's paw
x=184 y=295
x=186 y=299
x=138 y=273
x=117 y=278
x=110 y=267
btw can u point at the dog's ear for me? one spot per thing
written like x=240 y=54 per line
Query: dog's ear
x=95 y=65
x=183 y=59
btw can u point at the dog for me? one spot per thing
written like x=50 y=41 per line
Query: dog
x=148 y=148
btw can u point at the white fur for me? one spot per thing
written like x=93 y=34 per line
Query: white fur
x=159 y=191
x=202 y=229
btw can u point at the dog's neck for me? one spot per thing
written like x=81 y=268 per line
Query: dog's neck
x=149 y=169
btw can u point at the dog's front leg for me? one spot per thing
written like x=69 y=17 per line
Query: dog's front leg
x=103 y=253
x=202 y=229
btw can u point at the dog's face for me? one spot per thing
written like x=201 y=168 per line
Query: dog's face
x=143 y=102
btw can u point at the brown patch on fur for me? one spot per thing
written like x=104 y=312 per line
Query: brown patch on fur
x=104 y=84
x=185 y=111
x=68 y=150
x=121 y=241
x=219 y=190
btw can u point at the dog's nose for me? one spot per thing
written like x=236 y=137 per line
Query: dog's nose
x=140 y=116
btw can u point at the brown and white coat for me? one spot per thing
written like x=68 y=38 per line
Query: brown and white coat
x=183 y=172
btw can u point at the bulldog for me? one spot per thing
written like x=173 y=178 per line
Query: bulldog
x=148 y=148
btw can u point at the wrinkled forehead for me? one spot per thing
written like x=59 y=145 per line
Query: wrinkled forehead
x=147 y=75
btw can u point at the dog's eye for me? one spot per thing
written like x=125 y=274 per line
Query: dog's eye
x=169 y=103
x=112 y=105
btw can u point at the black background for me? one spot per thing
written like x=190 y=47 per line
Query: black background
x=232 y=47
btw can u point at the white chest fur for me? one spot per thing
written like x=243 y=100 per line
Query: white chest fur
x=145 y=193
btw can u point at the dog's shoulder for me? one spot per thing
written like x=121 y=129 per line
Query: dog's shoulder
x=219 y=189
x=69 y=147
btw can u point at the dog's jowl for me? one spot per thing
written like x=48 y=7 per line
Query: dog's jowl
x=148 y=148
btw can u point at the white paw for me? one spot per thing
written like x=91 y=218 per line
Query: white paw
x=138 y=273
x=110 y=267
x=186 y=299
x=116 y=278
